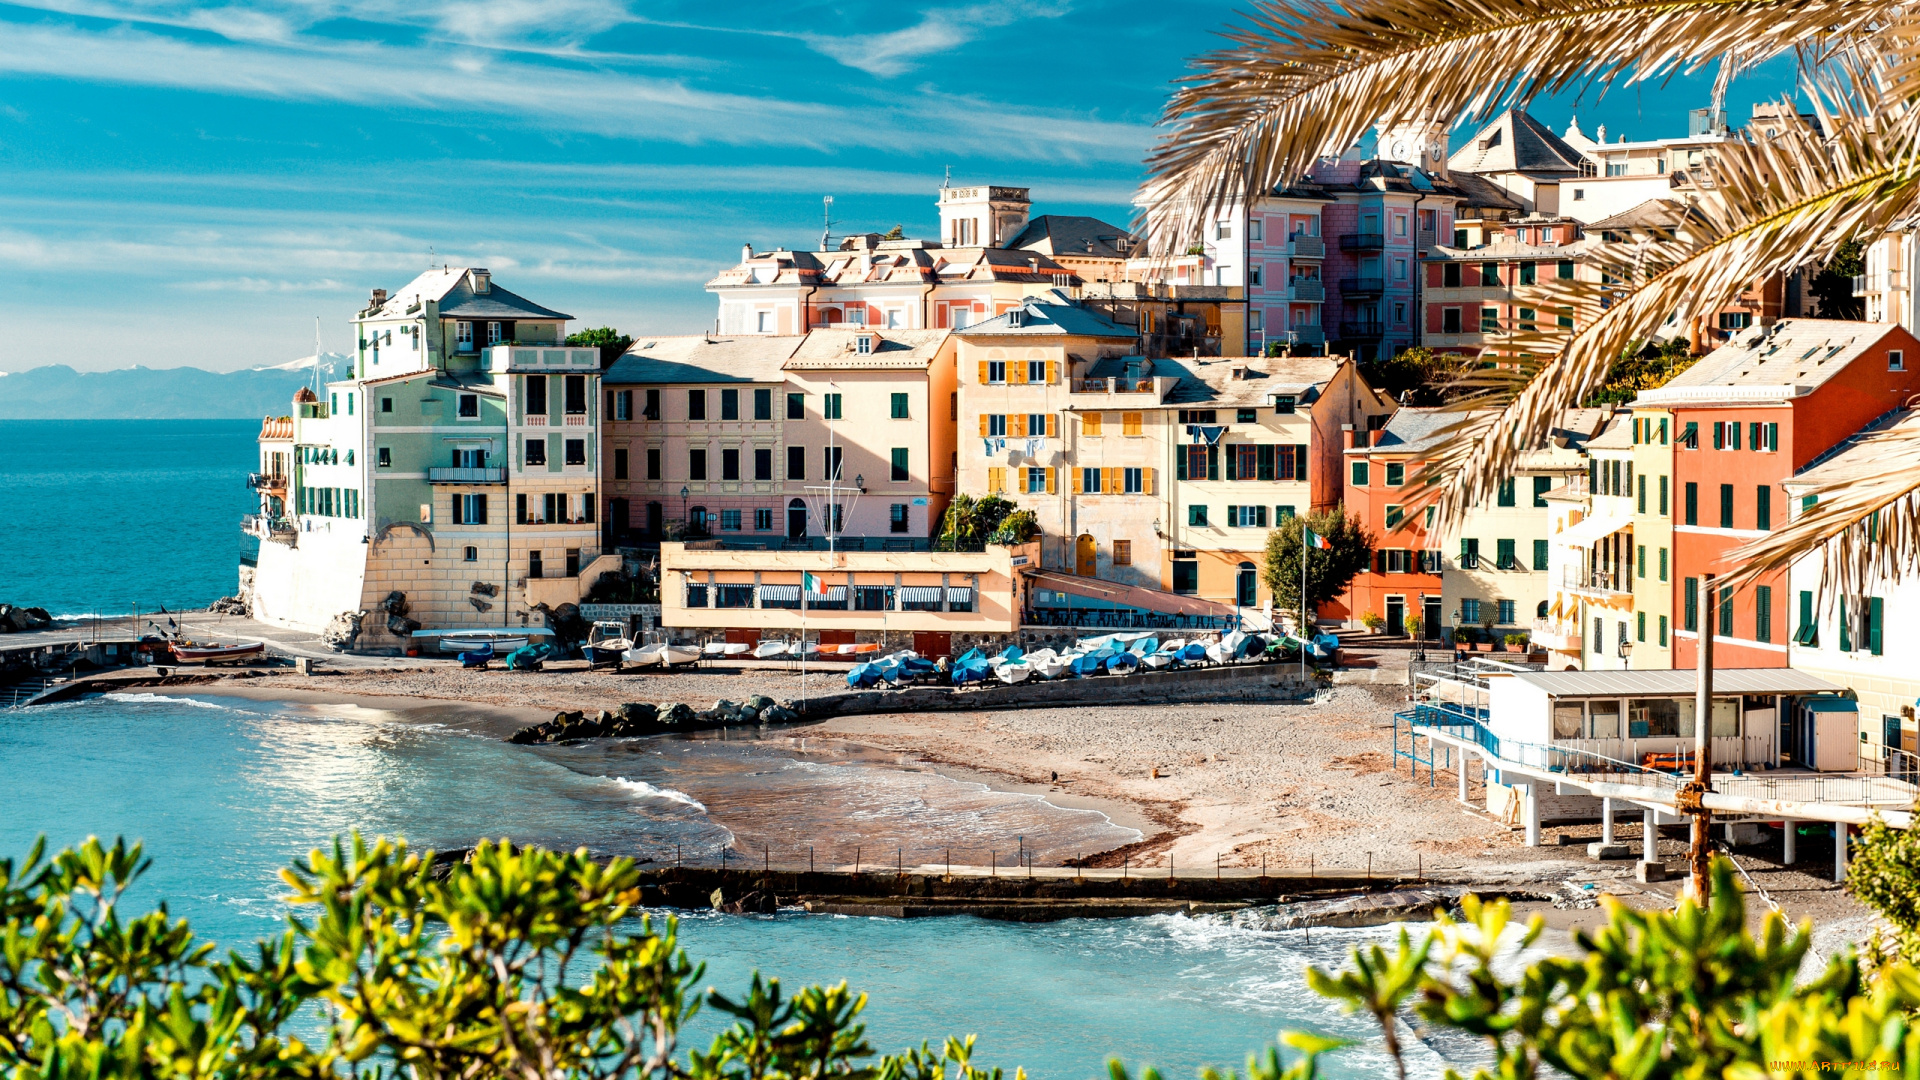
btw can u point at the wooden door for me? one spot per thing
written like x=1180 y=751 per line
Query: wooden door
x=1083 y=563
x=743 y=637
x=932 y=644
x=835 y=637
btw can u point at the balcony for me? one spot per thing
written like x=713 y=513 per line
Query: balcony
x=1113 y=386
x=267 y=482
x=1302 y=335
x=1429 y=239
x=1557 y=637
x=1366 y=241
x=1597 y=581
x=1307 y=247
x=278 y=529
x=1362 y=331
x=1362 y=287
x=466 y=476
x=1307 y=290
x=539 y=357
x=576 y=419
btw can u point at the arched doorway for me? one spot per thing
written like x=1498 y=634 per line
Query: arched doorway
x=656 y=520
x=1083 y=563
x=797 y=519
x=1247 y=587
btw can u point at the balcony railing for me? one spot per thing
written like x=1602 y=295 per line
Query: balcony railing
x=267 y=481
x=267 y=527
x=1596 y=579
x=1556 y=636
x=576 y=419
x=1362 y=331
x=1366 y=241
x=1302 y=335
x=1362 y=286
x=459 y=475
x=1307 y=247
x=1113 y=386
x=1310 y=291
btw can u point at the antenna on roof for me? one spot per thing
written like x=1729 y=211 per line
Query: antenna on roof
x=948 y=181
x=429 y=256
x=826 y=226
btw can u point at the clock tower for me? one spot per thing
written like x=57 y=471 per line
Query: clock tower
x=1417 y=142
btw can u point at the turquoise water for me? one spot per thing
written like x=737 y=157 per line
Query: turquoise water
x=224 y=791
x=102 y=515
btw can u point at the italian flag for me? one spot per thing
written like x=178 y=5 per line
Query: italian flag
x=810 y=583
x=1314 y=539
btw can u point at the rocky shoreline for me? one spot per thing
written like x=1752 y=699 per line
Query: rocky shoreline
x=639 y=718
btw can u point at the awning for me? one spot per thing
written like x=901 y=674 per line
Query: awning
x=833 y=593
x=780 y=593
x=1592 y=530
x=959 y=595
x=1134 y=596
x=919 y=594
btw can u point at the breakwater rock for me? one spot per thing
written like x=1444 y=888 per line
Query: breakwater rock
x=639 y=718
x=20 y=620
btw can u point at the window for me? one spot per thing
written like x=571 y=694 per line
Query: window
x=1090 y=425
x=1735 y=320
x=1133 y=482
x=1469 y=611
x=1506 y=612
x=1503 y=555
x=1663 y=631
x=469 y=406
x=1396 y=561
x=1490 y=274
x=385 y=457
x=1726 y=506
x=1692 y=516
x=897 y=517
x=463 y=336
x=576 y=451
x=1539 y=554
x=1091 y=481
x=1541 y=485
x=1808 y=631
x=1896 y=360
x=730 y=463
x=1690 y=616
x=1130 y=424
x=1036 y=480
x=729 y=521
x=1196 y=517
x=1470 y=556
x=796 y=463
x=831 y=458
x=1395 y=515
x=899 y=464
x=1247 y=517
x=1641 y=506
x=1564 y=270
x=1253 y=278
x=1663 y=496
x=996 y=425
x=1527 y=273
x=1359 y=472
x=729 y=404
x=996 y=481
x=696 y=464
x=469 y=509
x=386 y=404
x=996 y=372
x=763 y=519
x=1450 y=273
x=1123 y=553
x=473 y=553
x=620 y=463
x=1186 y=572
x=536 y=452
x=796 y=406
x=696 y=404
x=1037 y=371
x=1396 y=473
x=653 y=463
x=900 y=407
x=1244 y=462
x=763 y=463
x=863 y=344
x=763 y=404
x=1726 y=611
x=1504 y=494
x=1763 y=613
x=831 y=404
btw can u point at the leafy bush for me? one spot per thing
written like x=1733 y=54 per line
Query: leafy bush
x=1462 y=636
x=1016 y=528
x=1372 y=620
x=1518 y=639
x=970 y=523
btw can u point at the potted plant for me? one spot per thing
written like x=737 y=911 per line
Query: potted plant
x=1415 y=624
x=1517 y=642
x=1462 y=636
x=1372 y=622
x=1487 y=636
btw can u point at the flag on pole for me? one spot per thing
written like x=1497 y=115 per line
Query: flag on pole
x=810 y=583
x=1314 y=539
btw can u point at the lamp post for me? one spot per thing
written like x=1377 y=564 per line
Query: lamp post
x=684 y=523
x=1626 y=650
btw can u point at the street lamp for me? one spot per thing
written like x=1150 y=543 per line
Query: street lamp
x=860 y=482
x=684 y=523
x=1626 y=650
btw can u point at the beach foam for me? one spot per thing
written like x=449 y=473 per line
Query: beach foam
x=165 y=699
x=644 y=790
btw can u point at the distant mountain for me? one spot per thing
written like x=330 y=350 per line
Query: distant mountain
x=58 y=392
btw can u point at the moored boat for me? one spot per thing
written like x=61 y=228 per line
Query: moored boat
x=771 y=650
x=678 y=654
x=607 y=643
x=212 y=652
x=503 y=641
x=644 y=655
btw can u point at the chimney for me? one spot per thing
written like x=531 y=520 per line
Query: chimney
x=379 y=297
x=1351 y=439
x=746 y=252
x=1242 y=373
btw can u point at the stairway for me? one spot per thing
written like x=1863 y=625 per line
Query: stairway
x=22 y=694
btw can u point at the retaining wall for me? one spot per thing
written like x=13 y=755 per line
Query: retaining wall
x=1234 y=682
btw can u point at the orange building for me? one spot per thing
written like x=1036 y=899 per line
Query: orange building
x=1405 y=578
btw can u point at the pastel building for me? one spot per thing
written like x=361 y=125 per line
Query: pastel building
x=1589 y=617
x=782 y=440
x=454 y=477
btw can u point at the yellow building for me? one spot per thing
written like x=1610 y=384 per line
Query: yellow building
x=1651 y=434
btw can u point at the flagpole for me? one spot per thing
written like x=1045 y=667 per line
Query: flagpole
x=1305 y=636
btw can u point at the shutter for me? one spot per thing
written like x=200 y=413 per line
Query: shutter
x=983 y=373
x=1773 y=437
x=996 y=480
x=983 y=425
x=1016 y=373
x=1078 y=480
x=1180 y=462
x=1233 y=462
x=1053 y=482
x=1053 y=425
x=1146 y=482
x=556 y=453
x=1017 y=425
x=1116 y=480
x=1213 y=463
x=1876 y=616
x=480 y=505
x=1846 y=624
x=1053 y=372
x=1300 y=462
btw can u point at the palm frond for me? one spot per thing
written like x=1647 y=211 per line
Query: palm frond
x=1782 y=203
x=1306 y=78
x=1862 y=520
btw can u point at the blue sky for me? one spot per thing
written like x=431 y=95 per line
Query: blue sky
x=185 y=184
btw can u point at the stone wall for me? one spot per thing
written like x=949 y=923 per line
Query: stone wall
x=1236 y=682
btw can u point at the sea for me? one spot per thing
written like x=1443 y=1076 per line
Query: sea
x=223 y=791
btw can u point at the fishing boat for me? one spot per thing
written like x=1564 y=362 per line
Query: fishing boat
x=736 y=648
x=479 y=658
x=212 y=652
x=1123 y=663
x=644 y=655
x=1045 y=663
x=678 y=654
x=531 y=657
x=863 y=648
x=607 y=643
x=861 y=676
x=503 y=641
x=771 y=650
x=1013 y=671
x=1193 y=652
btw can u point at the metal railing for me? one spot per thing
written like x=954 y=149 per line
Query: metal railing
x=266 y=481
x=1308 y=290
x=461 y=475
x=266 y=527
x=1307 y=247
x=1113 y=386
x=1468 y=723
x=1594 y=579
x=1122 y=619
x=1363 y=331
x=1370 y=241
x=1360 y=286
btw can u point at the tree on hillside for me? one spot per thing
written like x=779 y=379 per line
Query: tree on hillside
x=1645 y=367
x=1420 y=376
x=609 y=341
x=1329 y=570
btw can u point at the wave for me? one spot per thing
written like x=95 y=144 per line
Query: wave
x=164 y=699
x=644 y=790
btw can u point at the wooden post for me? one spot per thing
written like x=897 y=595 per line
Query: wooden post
x=1700 y=854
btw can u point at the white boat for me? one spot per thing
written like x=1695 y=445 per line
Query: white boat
x=1045 y=663
x=713 y=648
x=1016 y=672
x=643 y=655
x=475 y=640
x=810 y=648
x=737 y=648
x=1222 y=651
x=771 y=650
x=607 y=642
x=212 y=651
x=1157 y=660
x=678 y=654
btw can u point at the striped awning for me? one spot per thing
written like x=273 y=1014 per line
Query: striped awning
x=920 y=594
x=959 y=595
x=832 y=593
x=780 y=593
